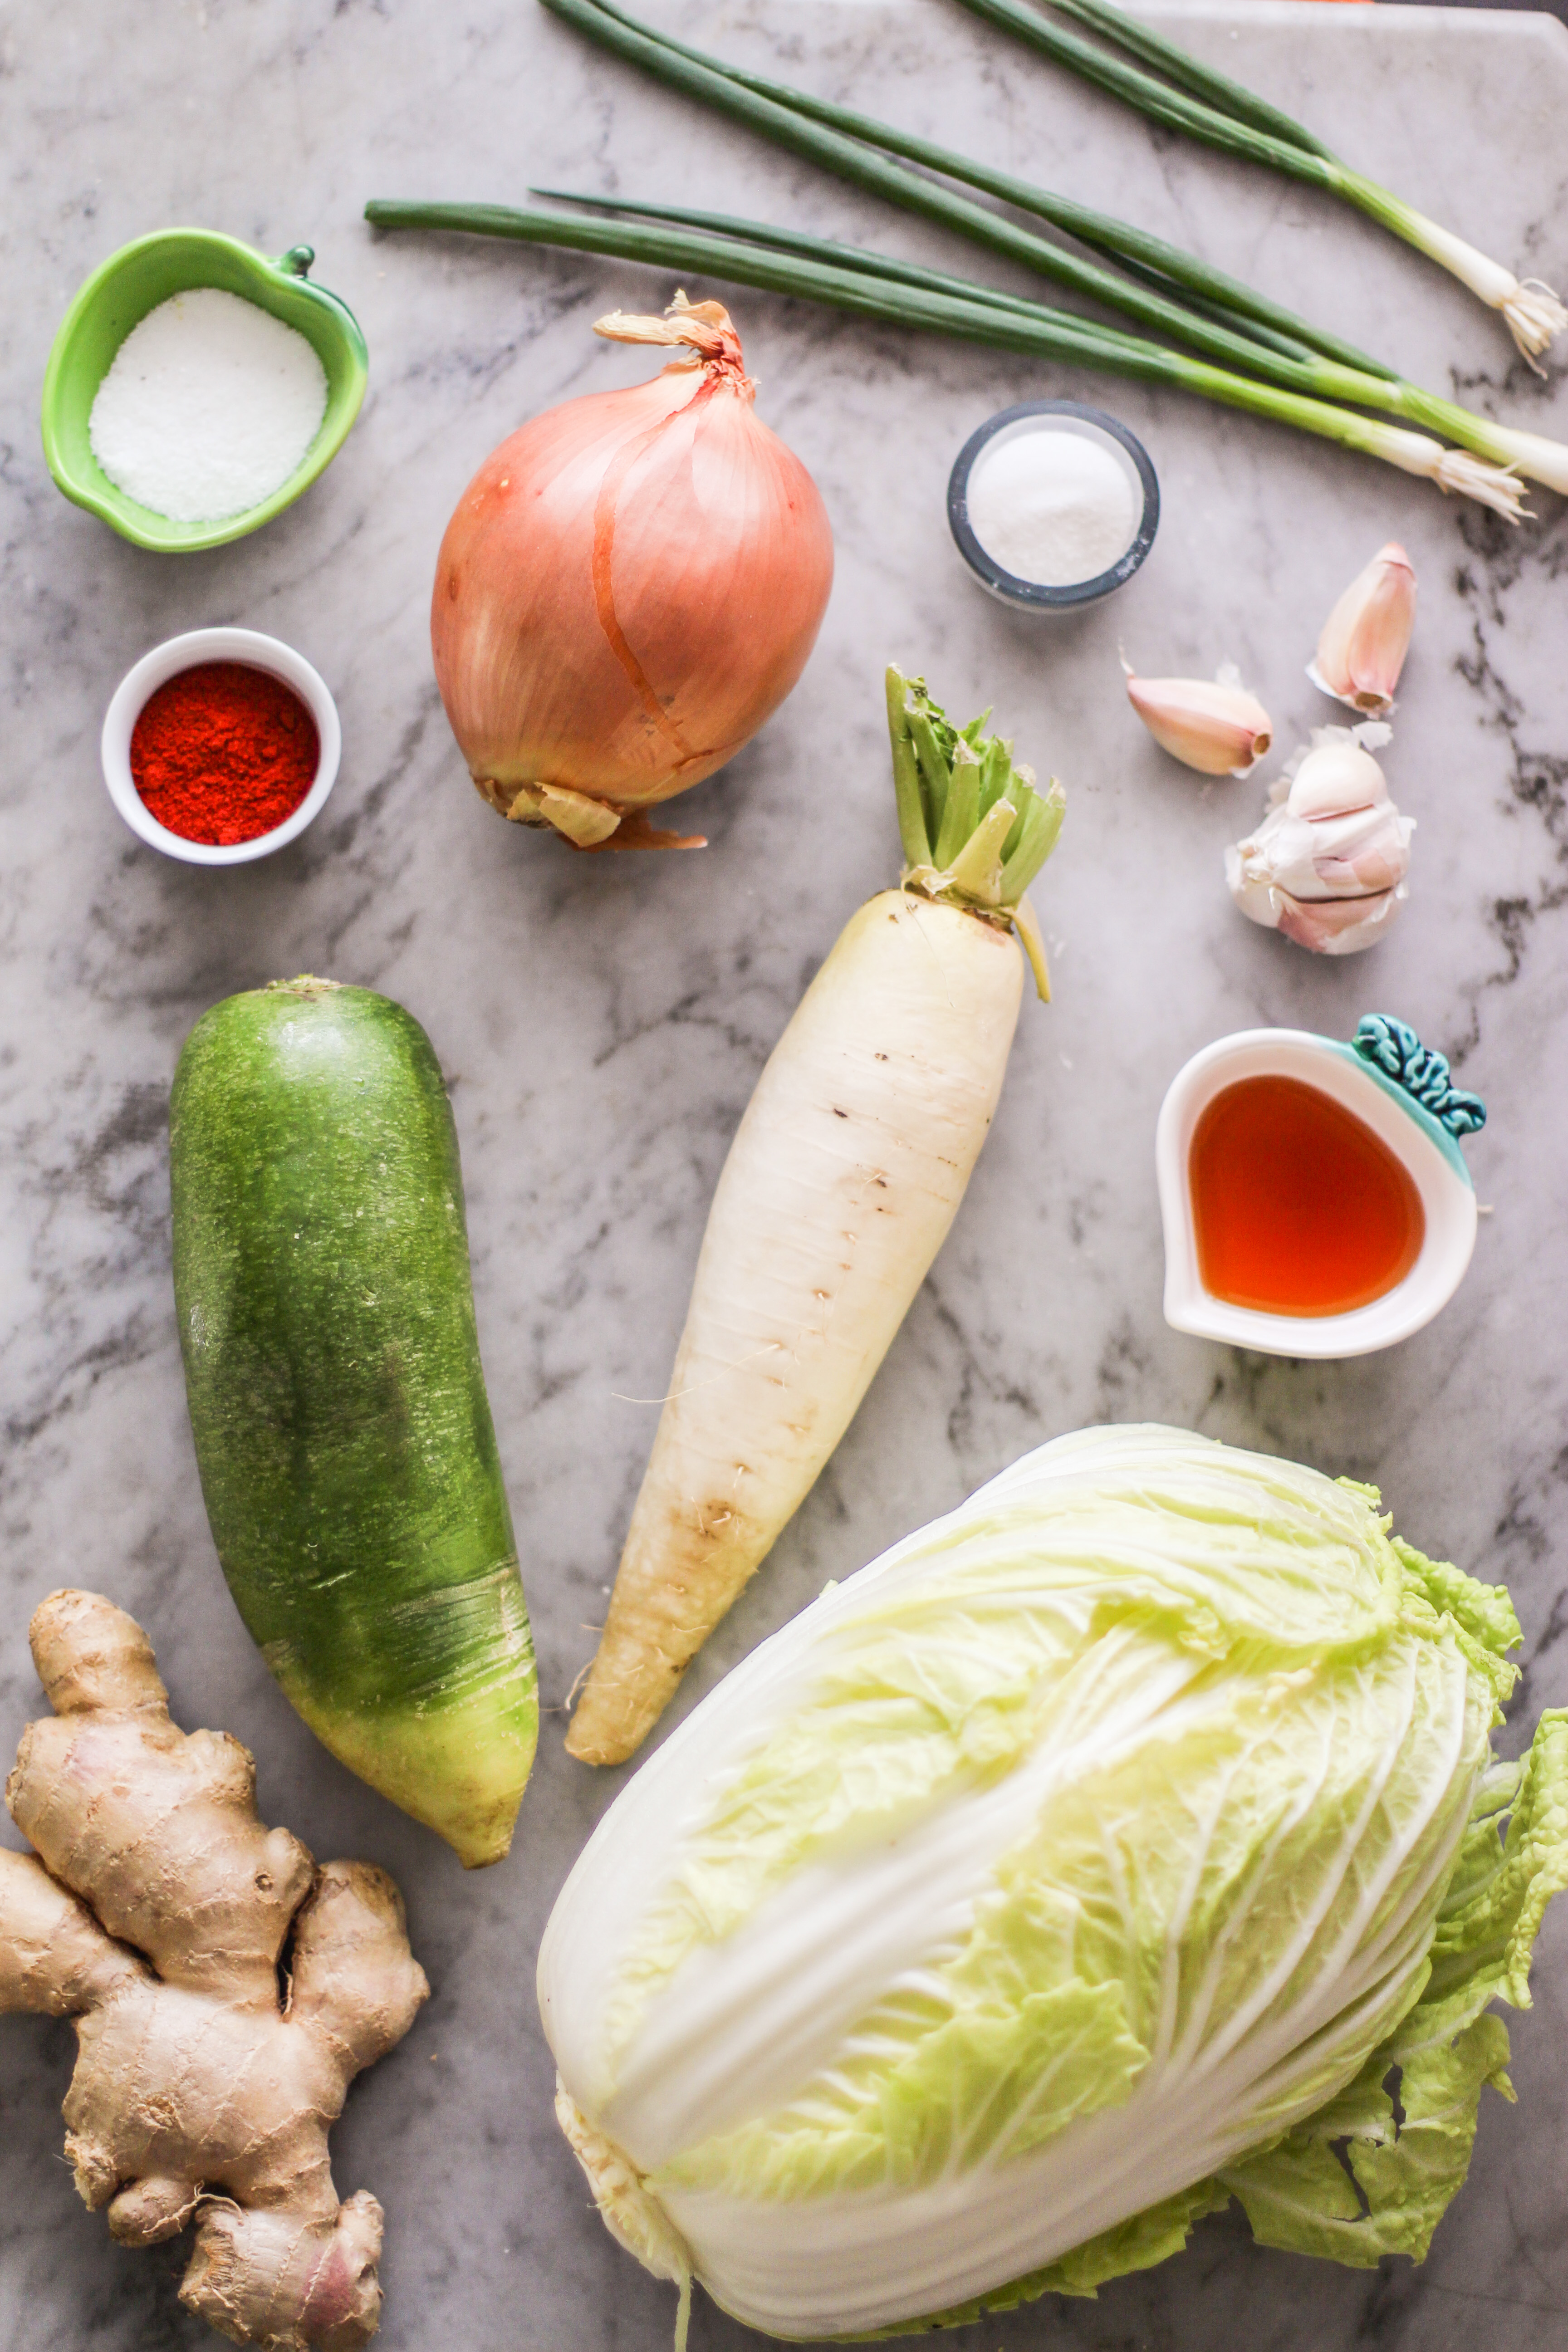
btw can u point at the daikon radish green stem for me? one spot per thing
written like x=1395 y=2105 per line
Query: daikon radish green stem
x=1241 y=125
x=838 y=1190
x=1006 y=324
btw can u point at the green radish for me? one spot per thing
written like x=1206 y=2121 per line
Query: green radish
x=347 y=1455
x=844 y=1177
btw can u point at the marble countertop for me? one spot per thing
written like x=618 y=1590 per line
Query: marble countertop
x=603 y=1020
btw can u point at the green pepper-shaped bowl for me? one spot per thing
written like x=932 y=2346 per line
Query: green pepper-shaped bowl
x=118 y=297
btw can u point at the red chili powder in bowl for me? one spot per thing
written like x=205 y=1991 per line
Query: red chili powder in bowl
x=222 y=752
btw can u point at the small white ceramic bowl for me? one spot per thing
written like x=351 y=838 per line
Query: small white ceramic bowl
x=1424 y=1147
x=165 y=661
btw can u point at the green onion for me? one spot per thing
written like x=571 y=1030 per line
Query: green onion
x=840 y=140
x=977 y=318
x=1216 y=89
x=1168 y=267
x=1531 y=453
x=851 y=159
x=811 y=127
x=1240 y=123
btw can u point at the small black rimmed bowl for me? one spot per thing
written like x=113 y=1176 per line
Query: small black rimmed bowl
x=1054 y=417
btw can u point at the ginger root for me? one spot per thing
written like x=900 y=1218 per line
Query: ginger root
x=226 y=1990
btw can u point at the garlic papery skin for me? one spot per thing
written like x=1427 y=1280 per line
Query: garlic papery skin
x=1328 y=865
x=1365 y=638
x=1214 y=726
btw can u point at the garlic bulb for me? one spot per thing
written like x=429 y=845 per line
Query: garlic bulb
x=1327 y=865
x=1367 y=635
x=1217 y=728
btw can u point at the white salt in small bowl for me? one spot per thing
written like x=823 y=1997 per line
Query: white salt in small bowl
x=1109 y=440
x=166 y=661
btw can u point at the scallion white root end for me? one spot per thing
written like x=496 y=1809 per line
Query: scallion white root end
x=1496 y=487
x=1492 y=486
x=1532 y=311
x=1535 y=317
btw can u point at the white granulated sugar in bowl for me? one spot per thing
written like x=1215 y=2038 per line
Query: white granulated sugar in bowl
x=1052 y=507
x=208 y=406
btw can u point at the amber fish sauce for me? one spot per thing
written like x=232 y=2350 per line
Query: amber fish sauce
x=1297 y=1207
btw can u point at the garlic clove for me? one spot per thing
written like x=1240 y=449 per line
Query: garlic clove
x=1335 y=779
x=1339 y=927
x=1374 y=856
x=1218 y=729
x=1358 y=877
x=1365 y=638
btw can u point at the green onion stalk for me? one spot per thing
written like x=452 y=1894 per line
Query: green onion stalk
x=1210 y=107
x=1005 y=323
x=1167 y=268
x=1174 y=293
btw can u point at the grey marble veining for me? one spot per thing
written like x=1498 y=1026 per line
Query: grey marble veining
x=603 y=1019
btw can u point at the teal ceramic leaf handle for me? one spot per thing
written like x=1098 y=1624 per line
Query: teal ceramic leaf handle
x=1393 y=1047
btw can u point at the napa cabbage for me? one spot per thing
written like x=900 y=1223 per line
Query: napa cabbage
x=1126 y=1842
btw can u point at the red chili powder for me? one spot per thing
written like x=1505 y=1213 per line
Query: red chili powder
x=222 y=752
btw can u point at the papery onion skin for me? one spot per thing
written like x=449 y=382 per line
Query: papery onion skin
x=630 y=585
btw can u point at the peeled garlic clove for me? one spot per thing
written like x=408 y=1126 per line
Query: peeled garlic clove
x=1367 y=635
x=1218 y=729
x=1335 y=779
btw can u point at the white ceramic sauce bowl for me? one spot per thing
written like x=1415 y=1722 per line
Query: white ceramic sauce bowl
x=1430 y=1154
x=164 y=662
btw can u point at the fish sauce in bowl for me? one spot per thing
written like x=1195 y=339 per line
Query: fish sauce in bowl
x=1297 y=1207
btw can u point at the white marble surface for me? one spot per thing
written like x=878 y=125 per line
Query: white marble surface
x=603 y=1020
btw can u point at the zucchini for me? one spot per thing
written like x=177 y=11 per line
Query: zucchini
x=343 y=1436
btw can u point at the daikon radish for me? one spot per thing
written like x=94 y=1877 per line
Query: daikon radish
x=843 y=1178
